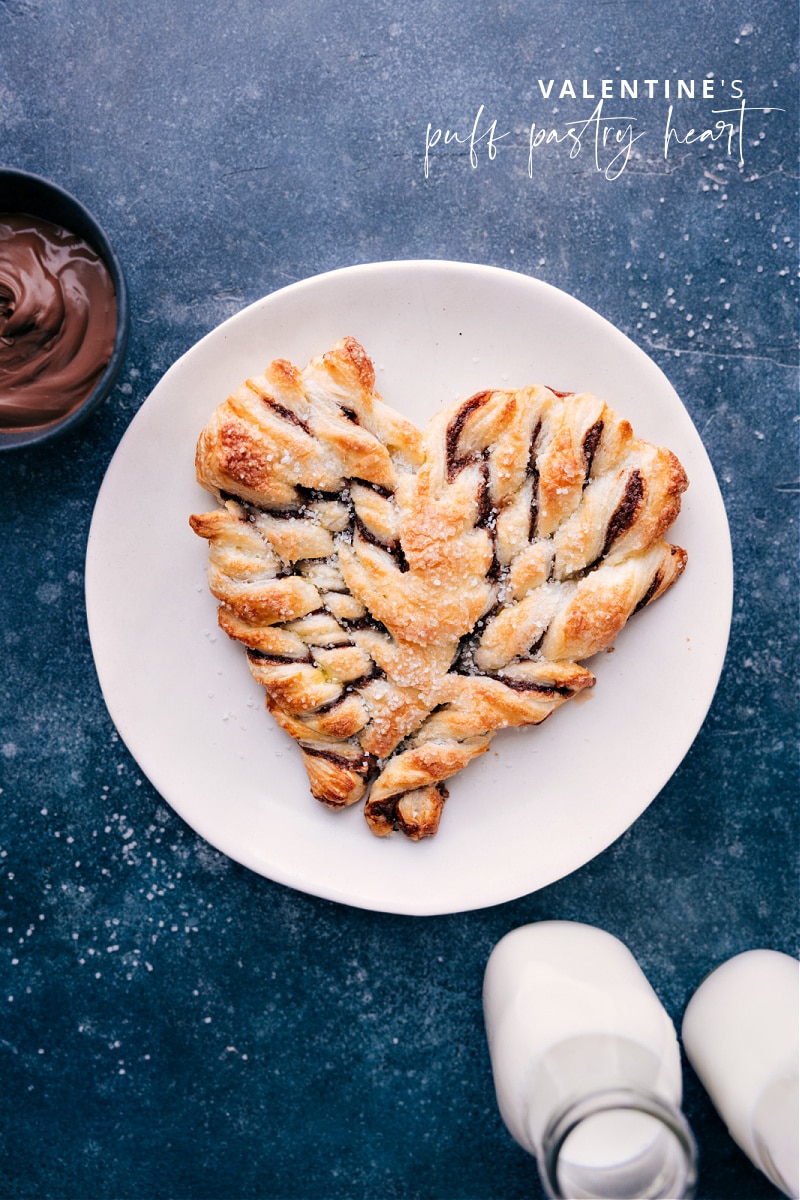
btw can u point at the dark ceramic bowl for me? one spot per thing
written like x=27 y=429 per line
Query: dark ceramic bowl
x=21 y=192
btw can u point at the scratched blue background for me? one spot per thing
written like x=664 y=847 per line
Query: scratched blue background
x=172 y=1025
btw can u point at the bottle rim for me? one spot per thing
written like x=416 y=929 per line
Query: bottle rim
x=575 y=1112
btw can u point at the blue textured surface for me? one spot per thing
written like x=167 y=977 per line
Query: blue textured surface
x=172 y=1025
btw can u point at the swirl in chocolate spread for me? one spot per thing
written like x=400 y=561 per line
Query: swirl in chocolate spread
x=58 y=319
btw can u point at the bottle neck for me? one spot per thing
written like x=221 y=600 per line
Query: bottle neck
x=618 y=1144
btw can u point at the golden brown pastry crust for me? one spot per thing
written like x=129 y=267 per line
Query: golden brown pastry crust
x=402 y=596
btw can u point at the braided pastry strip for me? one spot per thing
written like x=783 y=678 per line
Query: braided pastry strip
x=402 y=597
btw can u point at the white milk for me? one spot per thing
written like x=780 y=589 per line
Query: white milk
x=569 y=1014
x=740 y=1031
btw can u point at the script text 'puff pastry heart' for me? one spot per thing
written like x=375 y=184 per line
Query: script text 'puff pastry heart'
x=402 y=595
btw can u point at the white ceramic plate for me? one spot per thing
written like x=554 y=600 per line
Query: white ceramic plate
x=542 y=801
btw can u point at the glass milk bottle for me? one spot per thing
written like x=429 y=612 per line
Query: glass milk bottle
x=740 y=1031
x=586 y=1065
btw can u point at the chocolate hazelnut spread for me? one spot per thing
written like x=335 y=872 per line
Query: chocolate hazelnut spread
x=58 y=319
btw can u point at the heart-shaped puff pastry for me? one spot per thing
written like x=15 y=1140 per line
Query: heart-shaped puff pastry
x=403 y=595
